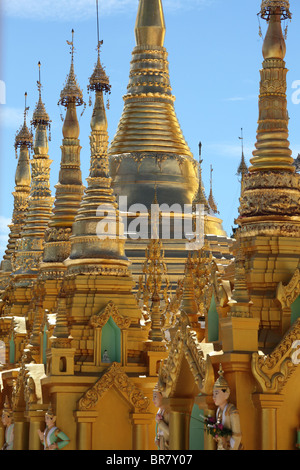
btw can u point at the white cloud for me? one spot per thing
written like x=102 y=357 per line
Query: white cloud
x=241 y=98
x=235 y=98
x=60 y=10
x=11 y=117
x=230 y=150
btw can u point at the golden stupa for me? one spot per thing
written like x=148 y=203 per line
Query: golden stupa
x=149 y=156
x=98 y=330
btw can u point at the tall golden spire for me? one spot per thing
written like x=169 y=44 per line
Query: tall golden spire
x=272 y=146
x=150 y=26
x=211 y=199
x=149 y=122
x=200 y=197
x=265 y=191
x=149 y=142
x=269 y=209
x=242 y=168
x=90 y=244
x=69 y=188
x=23 y=141
x=30 y=246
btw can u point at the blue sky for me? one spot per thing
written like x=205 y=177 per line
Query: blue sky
x=215 y=56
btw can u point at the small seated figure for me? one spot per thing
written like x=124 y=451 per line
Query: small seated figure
x=162 y=421
x=7 y=421
x=227 y=415
x=52 y=438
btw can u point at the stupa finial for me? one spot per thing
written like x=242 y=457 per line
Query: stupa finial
x=99 y=81
x=211 y=199
x=71 y=91
x=269 y=8
x=150 y=23
x=24 y=136
x=242 y=169
x=40 y=116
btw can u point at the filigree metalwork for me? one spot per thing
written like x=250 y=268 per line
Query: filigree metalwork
x=71 y=91
x=268 y=8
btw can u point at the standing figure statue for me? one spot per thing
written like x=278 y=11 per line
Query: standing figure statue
x=7 y=421
x=162 y=421
x=227 y=416
x=105 y=357
x=52 y=438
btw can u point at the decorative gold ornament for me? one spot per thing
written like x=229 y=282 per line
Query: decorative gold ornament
x=221 y=383
x=116 y=377
x=111 y=310
x=268 y=7
x=24 y=136
x=71 y=91
x=287 y=294
x=273 y=371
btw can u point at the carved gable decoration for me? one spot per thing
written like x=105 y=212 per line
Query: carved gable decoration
x=116 y=377
x=286 y=295
x=111 y=310
x=273 y=371
x=186 y=345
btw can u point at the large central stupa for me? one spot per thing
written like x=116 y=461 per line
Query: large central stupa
x=149 y=148
x=150 y=159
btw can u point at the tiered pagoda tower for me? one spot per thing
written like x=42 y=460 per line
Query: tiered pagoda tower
x=29 y=247
x=69 y=191
x=269 y=217
x=149 y=150
x=23 y=141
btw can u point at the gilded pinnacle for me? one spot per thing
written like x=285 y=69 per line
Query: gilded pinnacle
x=88 y=245
x=99 y=120
x=268 y=8
x=272 y=146
x=274 y=44
x=99 y=81
x=149 y=122
x=200 y=197
x=23 y=175
x=24 y=136
x=150 y=24
x=21 y=195
x=211 y=199
x=71 y=91
x=40 y=116
x=242 y=168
